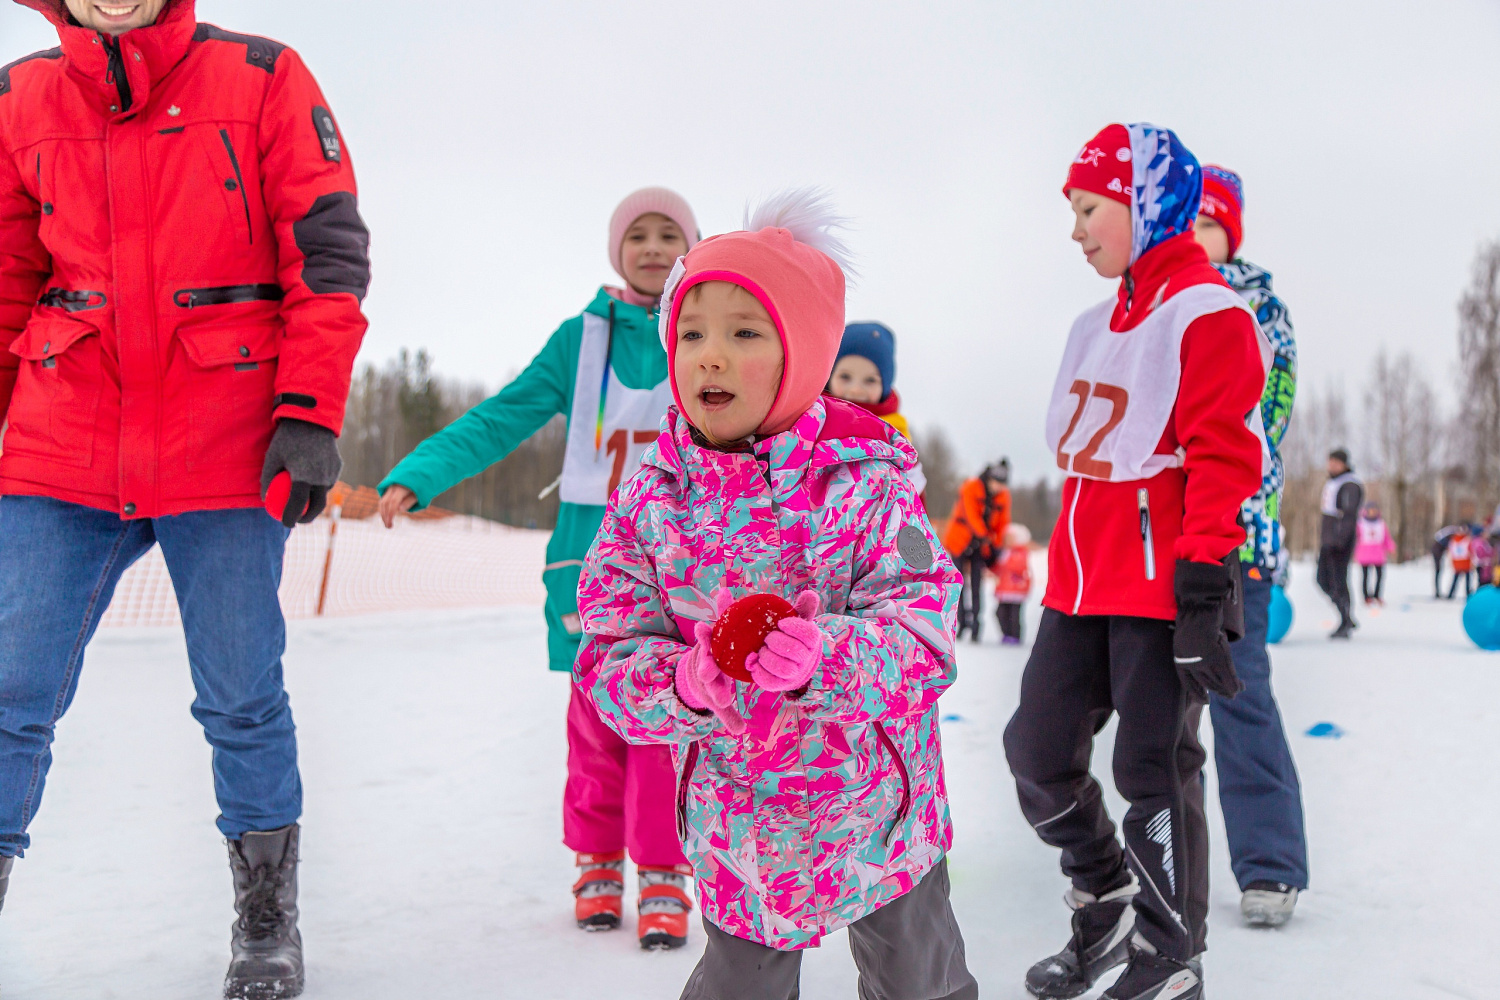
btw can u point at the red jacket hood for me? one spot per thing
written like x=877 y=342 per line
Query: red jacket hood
x=161 y=47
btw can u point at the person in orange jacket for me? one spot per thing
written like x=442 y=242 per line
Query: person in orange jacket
x=974 y=538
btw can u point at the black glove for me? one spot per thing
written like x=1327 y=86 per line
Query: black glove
x=310 y=454
x=1208 y=606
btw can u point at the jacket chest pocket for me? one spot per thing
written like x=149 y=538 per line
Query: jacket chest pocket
x=227 y=374
x=233 y=175
x=55 y=406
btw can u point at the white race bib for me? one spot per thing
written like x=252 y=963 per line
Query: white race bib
x=610 y=425
x=1330 y=500
x=1115 y=392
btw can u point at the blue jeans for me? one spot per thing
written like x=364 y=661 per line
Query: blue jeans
x=1258 y=787
x=59 y=564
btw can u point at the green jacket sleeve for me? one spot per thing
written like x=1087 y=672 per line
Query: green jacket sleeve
x=495 y=427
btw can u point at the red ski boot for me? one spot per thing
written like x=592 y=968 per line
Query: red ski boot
x=664 y=906
x=599 y=892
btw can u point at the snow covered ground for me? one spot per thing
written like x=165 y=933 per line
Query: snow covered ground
x=432 y=751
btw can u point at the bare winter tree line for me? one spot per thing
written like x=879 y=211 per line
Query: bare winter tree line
x=1425 y=465
x=395 y=407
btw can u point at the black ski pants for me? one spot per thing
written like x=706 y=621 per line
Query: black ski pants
x=1375 y=593
x=1333 y=580
x=1083 y=668
x=1012 y=623
x=1468 y=580
x=971 y=600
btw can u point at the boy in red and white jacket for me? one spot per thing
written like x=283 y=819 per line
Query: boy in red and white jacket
x=1153 y=420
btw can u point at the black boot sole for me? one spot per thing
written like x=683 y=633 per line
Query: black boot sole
x=600 y=922
x=661 y=941
x=263 y=989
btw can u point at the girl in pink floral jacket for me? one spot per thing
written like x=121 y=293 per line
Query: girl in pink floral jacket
x=810 y=797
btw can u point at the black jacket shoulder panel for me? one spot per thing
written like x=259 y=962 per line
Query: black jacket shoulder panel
x=5 y=88
x=259 y=52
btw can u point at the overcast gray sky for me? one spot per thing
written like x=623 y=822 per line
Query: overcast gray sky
x=492 y=140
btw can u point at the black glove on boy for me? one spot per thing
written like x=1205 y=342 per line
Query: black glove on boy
x=1210 y=613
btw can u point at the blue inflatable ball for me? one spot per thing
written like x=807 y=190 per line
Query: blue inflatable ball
x=1482 y=618
x=1281 y=616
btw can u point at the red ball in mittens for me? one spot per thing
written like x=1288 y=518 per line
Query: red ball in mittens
x=742 y=630
x=279 y=493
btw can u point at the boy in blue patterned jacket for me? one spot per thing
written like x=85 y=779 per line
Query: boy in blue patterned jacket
x=1258 y=786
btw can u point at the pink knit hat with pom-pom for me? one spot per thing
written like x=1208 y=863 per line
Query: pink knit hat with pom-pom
x=788 y=259
x=643 y=202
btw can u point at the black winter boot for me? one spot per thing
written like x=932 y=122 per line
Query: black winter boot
x=1102 y=927
x=1150 y=976
x=265 y=947
x=5 y=864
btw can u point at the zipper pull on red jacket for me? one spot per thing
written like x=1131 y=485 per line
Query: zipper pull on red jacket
x=1143 y=500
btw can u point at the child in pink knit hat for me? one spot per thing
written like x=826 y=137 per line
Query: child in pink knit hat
x=643 y=231
x=767 y=597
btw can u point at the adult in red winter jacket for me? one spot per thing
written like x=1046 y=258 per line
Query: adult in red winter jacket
x=1149 y=422
x=181 y=270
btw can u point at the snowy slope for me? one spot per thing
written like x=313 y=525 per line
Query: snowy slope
x=432 y=754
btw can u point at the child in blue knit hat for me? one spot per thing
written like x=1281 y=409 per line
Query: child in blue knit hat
x=865 y=372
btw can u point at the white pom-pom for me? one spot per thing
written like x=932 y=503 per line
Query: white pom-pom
x=808 y=214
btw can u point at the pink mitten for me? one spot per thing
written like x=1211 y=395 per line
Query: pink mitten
x=703 y=686
x=791 y=653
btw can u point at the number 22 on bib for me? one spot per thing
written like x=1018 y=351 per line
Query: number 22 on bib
x=1116 y=391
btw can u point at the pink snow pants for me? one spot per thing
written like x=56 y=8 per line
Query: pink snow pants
x=617 y=795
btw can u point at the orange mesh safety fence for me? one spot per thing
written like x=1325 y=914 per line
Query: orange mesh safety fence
x=434 y=559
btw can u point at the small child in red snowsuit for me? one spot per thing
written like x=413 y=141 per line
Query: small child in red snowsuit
x=1013 y=583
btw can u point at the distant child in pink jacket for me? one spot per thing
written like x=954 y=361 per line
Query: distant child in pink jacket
x=1013 y=583
x=767 y=597
x=1372 y=543
x=1484 y=559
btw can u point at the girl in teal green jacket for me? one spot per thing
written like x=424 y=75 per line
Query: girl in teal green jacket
x=606 y=371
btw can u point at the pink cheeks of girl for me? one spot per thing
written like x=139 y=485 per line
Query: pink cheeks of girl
x=1101 y=226
x=728 y=361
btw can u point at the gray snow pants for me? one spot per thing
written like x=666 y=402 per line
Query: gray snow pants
x=910 y=949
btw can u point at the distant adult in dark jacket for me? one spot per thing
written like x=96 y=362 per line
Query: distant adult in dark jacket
x=1343 y=495
x=1439 y=550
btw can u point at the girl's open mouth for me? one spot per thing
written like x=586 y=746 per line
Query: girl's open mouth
x=715 y=399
